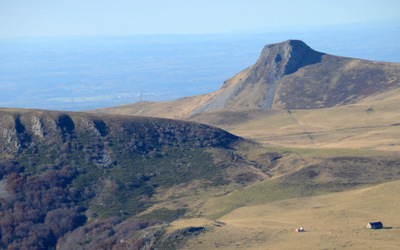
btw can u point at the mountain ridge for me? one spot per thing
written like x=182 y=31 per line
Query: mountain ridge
x=287 y=75
x=22 y=127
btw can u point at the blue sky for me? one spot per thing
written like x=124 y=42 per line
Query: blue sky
x=122 y=17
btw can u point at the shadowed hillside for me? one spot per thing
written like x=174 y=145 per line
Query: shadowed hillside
x=287 y=75
x=22 y=128
x=61 y=169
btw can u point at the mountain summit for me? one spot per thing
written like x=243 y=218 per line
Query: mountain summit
x=287 y=75
x=259 y=85
x=285 y=58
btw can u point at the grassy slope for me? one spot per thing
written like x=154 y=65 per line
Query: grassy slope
x=370 y=124
x=334 y=220
x=265 y=214
x=305 y=172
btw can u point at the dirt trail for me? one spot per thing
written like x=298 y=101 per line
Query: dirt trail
x=306 y=132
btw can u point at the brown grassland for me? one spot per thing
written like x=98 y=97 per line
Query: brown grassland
x=370 y=124
x=266 y=214
x=332 y=221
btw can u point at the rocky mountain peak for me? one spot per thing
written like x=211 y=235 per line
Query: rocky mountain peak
x=279 y=59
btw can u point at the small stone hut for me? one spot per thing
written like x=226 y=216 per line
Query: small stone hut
x=375 y=225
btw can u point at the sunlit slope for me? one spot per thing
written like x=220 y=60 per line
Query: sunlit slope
x=332 y=221
x=373 y=123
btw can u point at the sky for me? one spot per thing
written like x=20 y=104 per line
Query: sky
x=27 y=18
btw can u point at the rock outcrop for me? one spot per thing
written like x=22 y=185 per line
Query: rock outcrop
x=39 y=130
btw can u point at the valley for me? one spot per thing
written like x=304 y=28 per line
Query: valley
x=299 y=139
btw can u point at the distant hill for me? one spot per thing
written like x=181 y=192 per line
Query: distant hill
x=287 y=75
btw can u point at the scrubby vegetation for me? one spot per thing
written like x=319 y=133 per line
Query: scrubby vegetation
x=40 y=212
x=74 y=173
x=110 y=233
x=38 y=209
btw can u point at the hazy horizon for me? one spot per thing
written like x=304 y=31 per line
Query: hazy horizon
x=122 y=17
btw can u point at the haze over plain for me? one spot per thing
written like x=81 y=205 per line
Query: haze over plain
x=83 y=55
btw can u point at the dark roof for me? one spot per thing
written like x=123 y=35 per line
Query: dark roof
x=375 y=225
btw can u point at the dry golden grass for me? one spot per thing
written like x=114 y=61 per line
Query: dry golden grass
x=332 y=221
x=371 y=124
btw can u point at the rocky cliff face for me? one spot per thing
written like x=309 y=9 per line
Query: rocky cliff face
x=26 y=129
x=280 y=59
